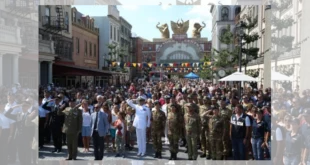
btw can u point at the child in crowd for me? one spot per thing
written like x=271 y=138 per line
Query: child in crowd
x=120 y=134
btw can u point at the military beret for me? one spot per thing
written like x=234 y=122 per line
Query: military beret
x=167 y=97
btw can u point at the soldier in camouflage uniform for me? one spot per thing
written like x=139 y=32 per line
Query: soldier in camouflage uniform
x=174 y=131
x=216 y=126
x=182 y=103
x=214 y=102
x=204 y=128
x=158 y=120
x=226 y=113
x=192 y=128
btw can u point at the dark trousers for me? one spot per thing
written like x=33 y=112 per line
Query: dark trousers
x=41 y=131
x=24 y=150
x=47 y=132
x=238 y=149
x=72 y=140
x=12 y=150
x=5 y=133
x=57 y=137
x=64 y=138
x=98 y=146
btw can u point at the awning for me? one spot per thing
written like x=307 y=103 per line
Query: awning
x=71 y=70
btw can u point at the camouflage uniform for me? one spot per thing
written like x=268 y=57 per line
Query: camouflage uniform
x=226 y=115
x=158 y=125
x=204 y=130
x=174 y=131
x=192 y=128
x=216 y=126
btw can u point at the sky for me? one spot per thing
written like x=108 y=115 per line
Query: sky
x=144 y=18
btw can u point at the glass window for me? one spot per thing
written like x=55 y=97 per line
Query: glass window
x=111 y=32
x=90 y=49
x=85 y=48
x=77 y=45
x=225 y=14
x=95 y=50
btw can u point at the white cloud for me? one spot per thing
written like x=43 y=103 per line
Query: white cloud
x=165 y=6
x=130 y=7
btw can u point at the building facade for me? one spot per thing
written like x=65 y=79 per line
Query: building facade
x=85 y=37
x=288 y=62
x=137 y=44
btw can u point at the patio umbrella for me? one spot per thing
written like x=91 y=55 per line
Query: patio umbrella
x=238 y=76
x=276 y=76
x=191 y=76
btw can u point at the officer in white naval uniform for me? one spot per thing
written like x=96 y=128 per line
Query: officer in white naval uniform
x=141 y=122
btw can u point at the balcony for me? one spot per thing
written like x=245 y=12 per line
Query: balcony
x=22 y=7
x=46 y=46
x=9 y=34
x=53 y=23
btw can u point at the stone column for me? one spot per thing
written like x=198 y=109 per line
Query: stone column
x=39 y=73
x=1 y=70
x=305 y=48
x=15 y=69
x=50 y=72
x=267 y=47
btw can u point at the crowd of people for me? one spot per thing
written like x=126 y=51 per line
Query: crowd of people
x=210 y=119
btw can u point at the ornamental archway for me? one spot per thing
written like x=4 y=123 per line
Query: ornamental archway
x=184 y=51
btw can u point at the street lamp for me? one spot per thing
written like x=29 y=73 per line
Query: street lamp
x=240 y=34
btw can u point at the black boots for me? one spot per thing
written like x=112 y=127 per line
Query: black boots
x=203 y=155
x=158 y=155
x=175 y=156
x=208 y=157
x=171 y=156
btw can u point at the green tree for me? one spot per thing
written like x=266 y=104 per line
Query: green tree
x=251 y=53
x=117 y=53
x=227 y=57
x=281 y=43
x=206 y=70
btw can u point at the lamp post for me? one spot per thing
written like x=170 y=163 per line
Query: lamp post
x=240 y=33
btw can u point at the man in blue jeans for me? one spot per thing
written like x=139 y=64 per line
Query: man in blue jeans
x=239 y=132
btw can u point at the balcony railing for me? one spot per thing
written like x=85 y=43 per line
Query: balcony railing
x=46 y=46
x=53 y=22
x=10 y=34
x=22 y=5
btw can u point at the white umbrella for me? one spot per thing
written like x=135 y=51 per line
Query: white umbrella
x=238 y=76
x=276 y=76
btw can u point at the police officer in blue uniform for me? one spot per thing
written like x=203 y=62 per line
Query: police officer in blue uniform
x=294 y=144
x=259 y=129
x=239 y=132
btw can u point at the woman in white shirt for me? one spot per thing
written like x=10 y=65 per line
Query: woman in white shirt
x=86 y=129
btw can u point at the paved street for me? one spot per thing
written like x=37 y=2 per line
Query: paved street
x=132 y=155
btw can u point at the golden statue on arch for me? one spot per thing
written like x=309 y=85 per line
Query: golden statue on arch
x=197 y=29
x=180 y=27
x=164 y=30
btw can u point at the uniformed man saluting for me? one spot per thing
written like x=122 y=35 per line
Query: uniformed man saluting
x=23 y=134
x=72 y=127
